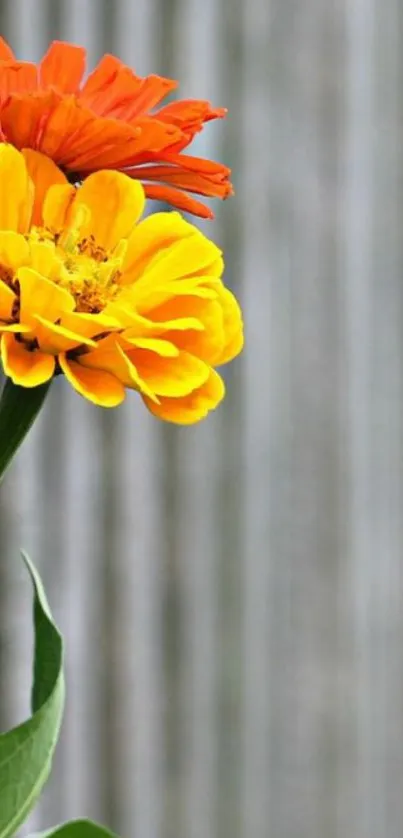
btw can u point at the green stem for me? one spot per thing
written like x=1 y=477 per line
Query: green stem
x=19 y=407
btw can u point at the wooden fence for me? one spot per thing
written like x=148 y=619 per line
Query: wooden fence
x=232 y=594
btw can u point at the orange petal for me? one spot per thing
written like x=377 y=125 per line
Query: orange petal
x=25 y=117
x=187 y=162
x=63 y=131
x=41 y=296
x=43 y=173
x=114 y=89
x=17 y=77
x=154 y=137
x=25 y=367
x=176 y=198
x=6 y=53
x=17 y=192
x=74 y=136
x=106 y=86
x=150 y=92
x=62 y=66
x=190 y=114
x=192 y=408
x=115 y=203
x=214 y=185
x=97 y=143
x=100 y=387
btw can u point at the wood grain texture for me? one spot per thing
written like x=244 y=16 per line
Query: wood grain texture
x=232 y=594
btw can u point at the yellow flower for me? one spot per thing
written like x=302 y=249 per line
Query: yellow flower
x=87 y=291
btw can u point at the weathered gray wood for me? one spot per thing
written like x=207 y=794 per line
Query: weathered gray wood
x=231 y=594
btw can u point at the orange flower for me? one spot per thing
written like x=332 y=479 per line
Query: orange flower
x=112 y=304
x=106 y=122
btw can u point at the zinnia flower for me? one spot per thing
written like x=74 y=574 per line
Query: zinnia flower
x=87 y=291
x=107 y=123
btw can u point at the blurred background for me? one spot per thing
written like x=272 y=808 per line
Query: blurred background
x=231 y=594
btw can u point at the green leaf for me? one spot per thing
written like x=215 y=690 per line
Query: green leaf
x=76 y=829
x=26 y=751
x=19 y=407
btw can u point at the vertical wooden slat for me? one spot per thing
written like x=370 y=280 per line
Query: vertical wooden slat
x=374 y=275
x=231 y=594
x=79 y=539
x=25 y=23
x=137 y=566
x=359 y=192
x=230 y=476
x=387 y=671
x=80 y=21
x=197 y=475
x=312 y=775
x=134 y=25
x=265 y=395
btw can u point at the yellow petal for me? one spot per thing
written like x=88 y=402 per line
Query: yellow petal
x=88 y=325
x=14 y=250
x=145 y=296
x=44 y=173
x=7 y=298
x=233 y=328
x=17 y=191
x=24 y=367
x=57 y=206
x=110 y=356
x=191 y=408
x=207 y=342
x=41 y=296
x=18 y=328
x=214 y=270
x=44 y=260
x=136 y=381
x=169 y=376
x=150 y=237
x=184 y=258
x=163 y=348
x=145 y=327
x=115 y=201
x=101 y=388
x=137 y=325
x=54 y=338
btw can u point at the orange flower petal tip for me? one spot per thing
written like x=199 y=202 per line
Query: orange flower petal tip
x=113 y=119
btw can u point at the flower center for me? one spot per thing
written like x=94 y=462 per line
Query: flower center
x=91 y=276
x=89 y=273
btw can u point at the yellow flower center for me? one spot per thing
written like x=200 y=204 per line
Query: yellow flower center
x=89 y=273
